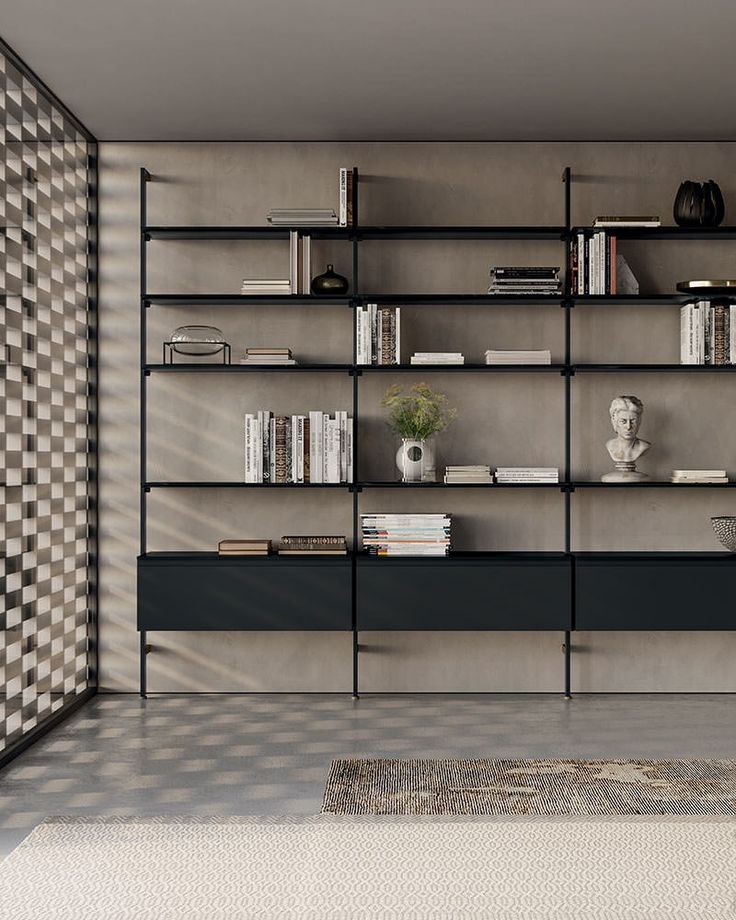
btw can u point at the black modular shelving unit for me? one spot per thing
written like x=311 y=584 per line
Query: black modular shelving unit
x=558 y=591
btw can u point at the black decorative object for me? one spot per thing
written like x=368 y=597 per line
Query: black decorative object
x=329 y=283
x=699 y=204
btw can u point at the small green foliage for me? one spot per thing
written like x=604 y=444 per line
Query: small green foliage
x=419 y=414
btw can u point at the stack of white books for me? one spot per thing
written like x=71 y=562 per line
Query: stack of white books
x=541 y=356
x=302 y=217
x=437 y=357
x=699 y=476
x=265 y=286
x=267 y=356
x=406 y=534
x=521 y=474
x=474 y=473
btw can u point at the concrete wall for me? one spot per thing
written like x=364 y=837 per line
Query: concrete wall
x=195 y=423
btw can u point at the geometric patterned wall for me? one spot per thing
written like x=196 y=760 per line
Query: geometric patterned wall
x=47 y=199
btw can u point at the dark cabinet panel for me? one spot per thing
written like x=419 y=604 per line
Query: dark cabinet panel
x=463 y=594
x=632 y=593
x=247 y=594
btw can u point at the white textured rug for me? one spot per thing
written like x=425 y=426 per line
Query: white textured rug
x=328 y=867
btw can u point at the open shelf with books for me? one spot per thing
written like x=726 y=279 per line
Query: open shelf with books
x=561 y=590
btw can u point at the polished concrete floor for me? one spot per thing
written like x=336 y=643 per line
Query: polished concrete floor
x=269 y=755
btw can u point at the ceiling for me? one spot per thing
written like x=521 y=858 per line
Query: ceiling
x=385 y=69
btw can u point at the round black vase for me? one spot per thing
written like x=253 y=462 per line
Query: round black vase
x=329 y=283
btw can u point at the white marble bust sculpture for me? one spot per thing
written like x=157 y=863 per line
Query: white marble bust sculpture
x=626 y=448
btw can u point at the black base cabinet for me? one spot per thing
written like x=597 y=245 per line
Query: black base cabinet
x=644 y=591
x=506 y=592
x=208 y=592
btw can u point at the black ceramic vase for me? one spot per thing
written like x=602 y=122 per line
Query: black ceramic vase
x=329 y=283
x=699 y=205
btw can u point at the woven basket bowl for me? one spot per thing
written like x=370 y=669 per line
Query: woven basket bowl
x=725 y=529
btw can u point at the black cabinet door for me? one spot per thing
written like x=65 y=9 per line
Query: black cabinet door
x=657 y=594
x=451 y=594
x=249 y=594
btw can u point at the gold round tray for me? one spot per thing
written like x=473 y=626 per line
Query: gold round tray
x=723 y=286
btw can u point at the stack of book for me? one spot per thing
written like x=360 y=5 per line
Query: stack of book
x=596 y=267
x=475 y=474
x=708 y=333
x=628 y=220
x=437 y=357
x=378 y=332
x=699 y=476
x=347 y=216
x=244 y=547
x=540 y=356
x=298 y=448
x=302 y=217
x=276 y=356
x=525 y=279
x=313 y=546
x=265 y=286
x=521 y=474
x=406 y=534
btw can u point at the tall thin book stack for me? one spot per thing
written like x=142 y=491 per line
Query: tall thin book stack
x=313 y=448
x=708 y=333
x=348 y=207
x=406 y=534
x=378 y=334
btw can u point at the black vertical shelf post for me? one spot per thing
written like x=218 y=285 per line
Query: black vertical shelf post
x=145 y=178
x=567 y=307
x=355 y=371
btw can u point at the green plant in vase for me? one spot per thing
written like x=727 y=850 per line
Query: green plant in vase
x=416 y=417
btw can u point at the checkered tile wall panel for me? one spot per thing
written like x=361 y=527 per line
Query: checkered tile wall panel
x=46 y=438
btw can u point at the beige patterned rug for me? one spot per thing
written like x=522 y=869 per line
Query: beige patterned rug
x=531 y=787
x=328 y=868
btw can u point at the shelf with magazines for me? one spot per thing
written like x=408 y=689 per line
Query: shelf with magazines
x=478 y=588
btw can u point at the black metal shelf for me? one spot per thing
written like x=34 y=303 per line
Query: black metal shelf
x=663 y=368
x=224 y=484
x=452 y=299
x=428 y=232
x=651 y=484
x=393 y=484
x=234 y=300
x=591 y=300
x=508 y=232
x=454 y=368
x=245 y=233
x=664 y=233
x=530 y=590
x=190 y=368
